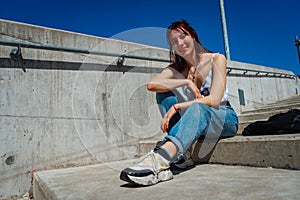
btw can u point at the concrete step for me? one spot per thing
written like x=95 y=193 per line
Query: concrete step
x=243 y=125
x=261 y=116
x=246 y=119
x=265 y=112
x=243 y=157
x=272 y=107
x=280 y=151
x=292 y=99
x=285 y=103
x=207 y=181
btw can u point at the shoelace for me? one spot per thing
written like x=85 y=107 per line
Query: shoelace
x=143 y=159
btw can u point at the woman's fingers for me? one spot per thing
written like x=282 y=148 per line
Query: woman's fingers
x=195 y=91
x=164 y=124
x=198 y=95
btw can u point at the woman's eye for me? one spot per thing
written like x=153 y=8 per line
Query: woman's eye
x=182 y=36
x=174 y=42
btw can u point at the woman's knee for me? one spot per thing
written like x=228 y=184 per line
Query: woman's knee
x=161 y=96
x=229 y=130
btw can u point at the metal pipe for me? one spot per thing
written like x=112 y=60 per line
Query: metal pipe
x=121 y=56
x=257 y=72
x=225 y=35
x=297 y=44
x=68 y=49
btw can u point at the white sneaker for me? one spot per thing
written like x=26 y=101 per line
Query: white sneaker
x=184 y=161
x=152 y=168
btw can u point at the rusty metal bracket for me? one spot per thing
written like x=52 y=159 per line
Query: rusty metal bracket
x=120 y=61
x=16 y=55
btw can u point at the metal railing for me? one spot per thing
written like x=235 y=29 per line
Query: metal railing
x=75 y=50
x=17 y=55
x=255 y=72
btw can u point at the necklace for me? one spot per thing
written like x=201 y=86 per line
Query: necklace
x=193 y=74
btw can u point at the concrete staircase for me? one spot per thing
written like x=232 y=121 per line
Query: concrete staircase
x=249 y=171
x=263 y=113
x=207 y=181
x=279 y=151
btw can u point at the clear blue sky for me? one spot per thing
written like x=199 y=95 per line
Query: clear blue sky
x=260 y=31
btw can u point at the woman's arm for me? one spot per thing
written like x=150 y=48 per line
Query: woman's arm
x=213 y=99
x=168 y=80
x=217 y=87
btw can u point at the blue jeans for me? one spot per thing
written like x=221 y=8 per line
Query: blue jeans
x=198 y=120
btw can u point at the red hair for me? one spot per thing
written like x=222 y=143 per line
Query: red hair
x=177 y=61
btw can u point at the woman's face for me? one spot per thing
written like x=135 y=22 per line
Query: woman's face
x=182 y=43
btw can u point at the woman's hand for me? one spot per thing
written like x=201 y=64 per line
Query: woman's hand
x=164 y=125
x=194 y=89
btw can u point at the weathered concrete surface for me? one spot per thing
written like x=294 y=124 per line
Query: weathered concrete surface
x=258 y=90
x=263 y=113
x=279 y=151
x=201 y=182
x=71 y=109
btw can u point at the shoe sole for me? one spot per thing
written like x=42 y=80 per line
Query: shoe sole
x=147 y=180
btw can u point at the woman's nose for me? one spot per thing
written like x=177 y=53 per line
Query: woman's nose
x=180 y=42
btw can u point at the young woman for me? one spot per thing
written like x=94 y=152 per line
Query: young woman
x=193 y=100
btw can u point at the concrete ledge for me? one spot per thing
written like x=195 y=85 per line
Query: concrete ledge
x=201 y=182
x=263 y=115
x=278 y=151
x=102 y=182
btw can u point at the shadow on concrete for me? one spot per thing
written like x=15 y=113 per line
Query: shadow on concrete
x=133 y=185
x=205 y=159
x=177 y=171
x=75 y=66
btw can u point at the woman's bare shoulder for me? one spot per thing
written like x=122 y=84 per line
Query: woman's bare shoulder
x=219 y=61
x=219 y=56
x=167 y=72
x=214 y=56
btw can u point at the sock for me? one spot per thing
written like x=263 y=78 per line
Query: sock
x=164 y=153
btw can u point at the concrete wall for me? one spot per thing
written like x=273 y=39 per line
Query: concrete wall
x=71 y=109
x=260 y=89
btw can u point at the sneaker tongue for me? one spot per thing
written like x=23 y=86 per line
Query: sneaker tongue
x=152 y=162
